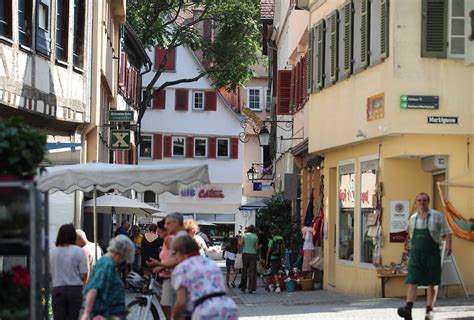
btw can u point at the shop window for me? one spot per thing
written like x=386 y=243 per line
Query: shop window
x=368 y=178
x=149 y=197
x=198 y=100
x=200 y=147
x=78 y=44
x=25 y=9
x=223 y=148
x=346 y=212
x=6 y=18
x=62 y=30
x=145 y=147
x=178 y=146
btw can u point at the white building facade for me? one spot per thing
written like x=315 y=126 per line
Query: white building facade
x=191 y=123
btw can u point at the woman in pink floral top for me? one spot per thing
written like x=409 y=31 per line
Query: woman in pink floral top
x=199 y=284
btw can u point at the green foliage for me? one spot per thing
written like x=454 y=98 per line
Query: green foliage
x=235 y=23
x=277 y=214
x=21 y=148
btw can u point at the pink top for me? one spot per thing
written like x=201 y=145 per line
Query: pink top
x=165 y=256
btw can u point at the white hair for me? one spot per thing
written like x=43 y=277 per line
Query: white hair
x=123 y=246
x=81 y=234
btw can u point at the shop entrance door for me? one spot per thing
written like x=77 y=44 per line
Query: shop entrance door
x=436 y=203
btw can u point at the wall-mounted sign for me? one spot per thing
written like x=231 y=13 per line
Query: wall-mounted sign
x=119 y=139
x=376 y=107
x=203 y=193
x=120 y=115
x=399 y=212
x=442 y=120
x=257 y=186
x=419 y=102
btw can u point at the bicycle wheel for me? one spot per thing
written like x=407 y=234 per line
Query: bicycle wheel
x=136 y=311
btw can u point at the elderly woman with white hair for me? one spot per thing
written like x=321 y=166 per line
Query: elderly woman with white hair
x=105 y=292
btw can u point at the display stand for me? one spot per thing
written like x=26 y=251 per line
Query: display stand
x=24 y=242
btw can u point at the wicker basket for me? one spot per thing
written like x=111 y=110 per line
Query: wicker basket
x=307 y=284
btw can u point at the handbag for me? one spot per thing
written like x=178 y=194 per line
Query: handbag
x=260 y=268
x=239 y=264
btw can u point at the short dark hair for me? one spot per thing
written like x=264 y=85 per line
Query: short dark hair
x=251 y=228
x=184 y=245
x=161 y=224
x=152 y=227
x=66 y=235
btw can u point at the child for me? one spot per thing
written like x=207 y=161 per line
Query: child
x=230 y=254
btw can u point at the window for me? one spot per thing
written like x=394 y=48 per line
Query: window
x=456 y=29
x=200 y=147
x=253 y=99
x=78 y=44
x=6 y=18
x=146 y=147
x=25 y=8
x=268 y=101
x=178 y=146
x=368 y=178
x=198 y=100
x=43 y=40
x=266 y=157
x=223 y=148
x=149 y=197
x=62 y=30
x=346 y=212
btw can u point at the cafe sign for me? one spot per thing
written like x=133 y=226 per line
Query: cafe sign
x=120 y=139
x=203 y=193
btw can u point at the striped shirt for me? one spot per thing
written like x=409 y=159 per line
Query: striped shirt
x=436 y=225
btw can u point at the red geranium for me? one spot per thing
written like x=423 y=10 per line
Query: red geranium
x=21 y=276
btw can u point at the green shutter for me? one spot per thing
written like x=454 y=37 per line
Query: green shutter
x=310 y=61
x=364 y=34
x=320 y=55
x=434 y=29
x=333 y=46
x=348 y=37
x=384 y=29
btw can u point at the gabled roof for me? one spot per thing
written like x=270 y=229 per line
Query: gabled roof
x=266 y=9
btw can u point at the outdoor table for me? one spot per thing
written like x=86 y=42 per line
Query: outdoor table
x=386 y=278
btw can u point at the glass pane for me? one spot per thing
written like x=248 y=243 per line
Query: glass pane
x=367 y=243
x=222 y=148
x=145 y=147
x=346 y=235
x=178 y=146
x=200 y=147
x=149 y=197
x=457 y=8
x=43 y=17
x=457 y=27
x=457 y=45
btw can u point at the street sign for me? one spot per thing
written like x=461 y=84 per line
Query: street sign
x=120 y=139
x=419 y=102
x=442 y=120
x=257 y=186
x=120 y=115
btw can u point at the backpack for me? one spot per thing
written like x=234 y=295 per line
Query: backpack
x=277 y=248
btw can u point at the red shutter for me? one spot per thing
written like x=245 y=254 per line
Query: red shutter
x=160 y=55
x=210 y=101
x=189 y=147
x=123 y=69
x=159 y=101
x=158 y=146
x=283 y=92
x=293 y=87
x=171 y=63
x=234 y=148
x=305 y=78
x=181 y=99
x=167 y=147
x=212 y=147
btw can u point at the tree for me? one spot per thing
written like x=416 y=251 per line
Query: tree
x=229 y=53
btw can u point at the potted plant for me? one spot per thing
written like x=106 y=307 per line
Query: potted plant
x=21 y=149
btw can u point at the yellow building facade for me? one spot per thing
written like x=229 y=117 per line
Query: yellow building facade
x=395 y=125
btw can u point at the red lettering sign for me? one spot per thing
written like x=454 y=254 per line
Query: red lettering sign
x=211 y=193
x=364 y=196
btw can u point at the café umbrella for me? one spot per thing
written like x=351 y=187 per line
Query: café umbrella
x=121 y=177
x=114 y=203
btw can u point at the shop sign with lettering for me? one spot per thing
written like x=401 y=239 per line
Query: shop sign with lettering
x=119 y=139
x=419 y=102
x=203 y=193
x=442 y=120
x=120 y=115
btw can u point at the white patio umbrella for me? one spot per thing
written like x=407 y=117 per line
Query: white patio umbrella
x=121 y=177
x=114 y=203
x=204 y=223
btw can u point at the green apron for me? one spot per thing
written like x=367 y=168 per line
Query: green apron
x=424 y=267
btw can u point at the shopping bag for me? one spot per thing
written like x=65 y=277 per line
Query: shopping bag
x=238 y=261
x=260 y=268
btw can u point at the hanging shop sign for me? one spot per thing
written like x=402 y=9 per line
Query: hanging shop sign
x=399 y=213
x=376 y=107
x=120 y=139
x=120 y=115
x=419 y=102
x=442 y=120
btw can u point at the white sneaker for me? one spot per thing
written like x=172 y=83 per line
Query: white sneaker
x=271 y=288
x=278 y=289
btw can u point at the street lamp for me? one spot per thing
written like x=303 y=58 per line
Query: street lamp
x=264 y=137
x=252 y=174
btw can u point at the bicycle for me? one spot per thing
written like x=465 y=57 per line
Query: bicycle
x=142 y=307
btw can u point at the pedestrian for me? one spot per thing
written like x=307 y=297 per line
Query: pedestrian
x=151 y=244
x=426 y=229
x=137 y=239
x=123 y=229
x=199 y=285
x=249 y=244
x=275 y=258
x=105 y=292
x=192 y=229
x=308 y=248
x=68 y=266
x=89 y=247
x=230 y=254
x=263 y=241
x=166 y=300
